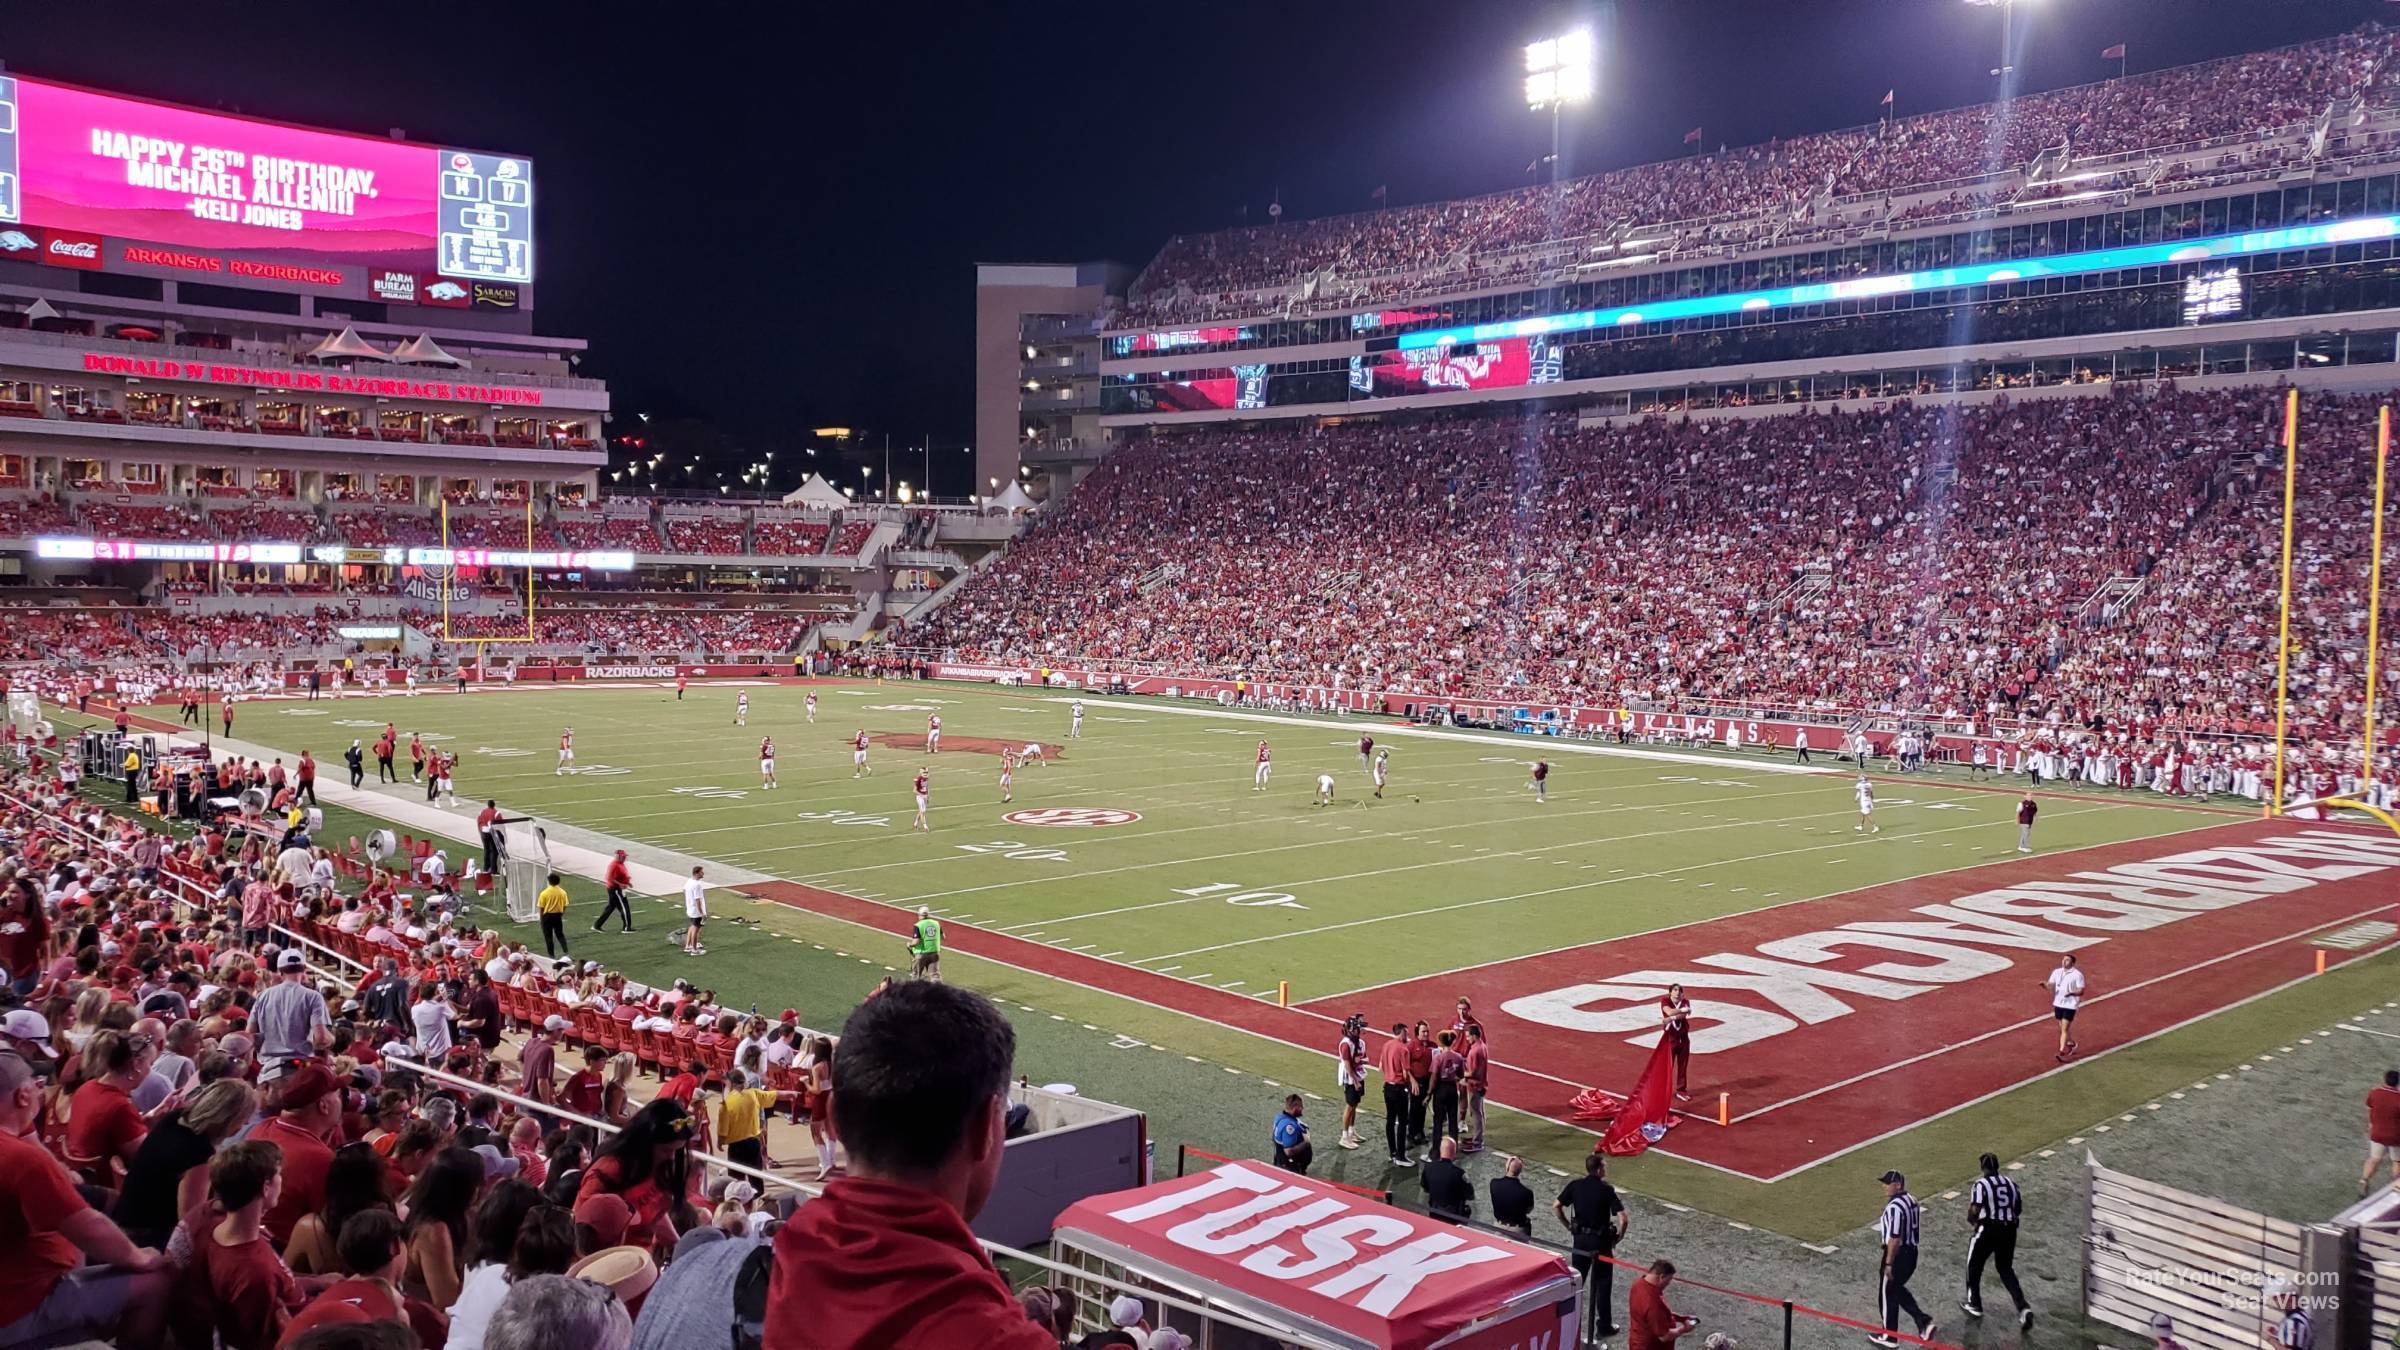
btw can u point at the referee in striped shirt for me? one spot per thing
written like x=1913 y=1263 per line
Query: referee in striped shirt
x=2297 y=1330
x=1898 y=1229
x=1993 y=1211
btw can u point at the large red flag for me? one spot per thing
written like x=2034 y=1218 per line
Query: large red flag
x=1643 y=1117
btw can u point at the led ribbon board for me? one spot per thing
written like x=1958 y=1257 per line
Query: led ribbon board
x=2359 y=230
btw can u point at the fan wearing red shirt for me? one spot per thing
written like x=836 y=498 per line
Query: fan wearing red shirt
x=373 y=1258
x=47 y=1229
x=2383 y=1130
x=309 y=1110
x=237 y=1283
x=884 y=1259
x=102 y=1122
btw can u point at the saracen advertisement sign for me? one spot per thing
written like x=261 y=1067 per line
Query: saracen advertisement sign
x=1303 y=1254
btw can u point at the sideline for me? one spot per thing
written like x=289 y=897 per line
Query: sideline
x=573 y=849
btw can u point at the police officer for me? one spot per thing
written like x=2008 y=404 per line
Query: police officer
x=1595 y=1219
x=1993 y=1211
x=1897 y=1226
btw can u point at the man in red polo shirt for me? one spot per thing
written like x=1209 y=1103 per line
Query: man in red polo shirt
x=1394 y=1063
x=46 y=1294
x=1649 y=1323
x=309 y=1111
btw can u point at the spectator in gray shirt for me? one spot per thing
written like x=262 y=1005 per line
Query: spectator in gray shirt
x=688 y=1308
x=289 y=1019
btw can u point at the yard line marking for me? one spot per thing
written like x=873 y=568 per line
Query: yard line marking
x=1669 y=928
x=1672 y=873
x=2366 y=1031
x=1480 y=857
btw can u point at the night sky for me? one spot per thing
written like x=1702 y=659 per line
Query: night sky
x=768 y=217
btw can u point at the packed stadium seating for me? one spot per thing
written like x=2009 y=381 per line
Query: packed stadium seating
x=112 y=520
x=1205 y=275
x=589 y=531
x=715 y=536
x=789 y=538
x=1935 y=559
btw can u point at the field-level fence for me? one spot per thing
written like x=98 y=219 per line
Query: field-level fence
x=2216 y=1269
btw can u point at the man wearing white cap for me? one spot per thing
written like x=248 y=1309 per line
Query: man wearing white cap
x=538 y=1061
x=925 y=946
x=1125 y=1314
x=289 y=1019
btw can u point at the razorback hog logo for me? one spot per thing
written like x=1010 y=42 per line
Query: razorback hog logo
x=1072 y=817
x=1784 y=982
x=1292 y=1233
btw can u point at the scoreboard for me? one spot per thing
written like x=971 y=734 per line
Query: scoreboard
x=107 y=182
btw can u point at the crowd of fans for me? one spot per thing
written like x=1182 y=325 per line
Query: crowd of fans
x=588 y=531
x=789 y=538
x=212 y=1135
x=1941 y=561
x=1202 y=274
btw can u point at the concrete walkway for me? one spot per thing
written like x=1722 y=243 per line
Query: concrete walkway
x=573 y=850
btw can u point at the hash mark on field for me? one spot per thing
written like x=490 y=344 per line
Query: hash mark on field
x=1231 y=984
x=1680 y=1209
x=1168 y=970
x=1105 y=955
x=1821 y=1251
x=2047 y=1153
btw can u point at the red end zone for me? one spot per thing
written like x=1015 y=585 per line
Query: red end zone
x=1835 y=1022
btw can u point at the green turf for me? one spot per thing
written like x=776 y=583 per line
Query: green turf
x=1457 y=866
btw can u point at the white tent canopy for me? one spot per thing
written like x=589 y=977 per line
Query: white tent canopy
x=40 y=309
x=1012 y=500
x=347 y=345
x=816 y=492
x=422 y=350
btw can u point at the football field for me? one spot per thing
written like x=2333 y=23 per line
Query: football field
x=1848 y=986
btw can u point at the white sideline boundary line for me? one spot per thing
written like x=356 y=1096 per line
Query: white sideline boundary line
x=1760 y=909
x=1980 y=1037
x=1552 y=745
x=1275 y=1041
x=2053 y=1072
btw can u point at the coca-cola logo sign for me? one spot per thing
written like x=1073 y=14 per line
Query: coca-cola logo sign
x=71 y=248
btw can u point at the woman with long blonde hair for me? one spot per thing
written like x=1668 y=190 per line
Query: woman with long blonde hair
x=616 y=1092
x=168 y=1177
x=88 y=1008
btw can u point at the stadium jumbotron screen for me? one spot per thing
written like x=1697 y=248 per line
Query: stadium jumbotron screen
x=83 y=166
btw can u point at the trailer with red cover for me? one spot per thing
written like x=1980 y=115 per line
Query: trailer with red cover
x=1329 y=1266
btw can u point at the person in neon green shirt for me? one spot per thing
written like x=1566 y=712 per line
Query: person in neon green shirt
x=926 y=946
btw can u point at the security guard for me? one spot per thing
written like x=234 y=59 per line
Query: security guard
x=926 y=946
x=133 y=774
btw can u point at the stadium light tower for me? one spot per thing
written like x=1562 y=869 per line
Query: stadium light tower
x=2008 y=16
x=1559 y=71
